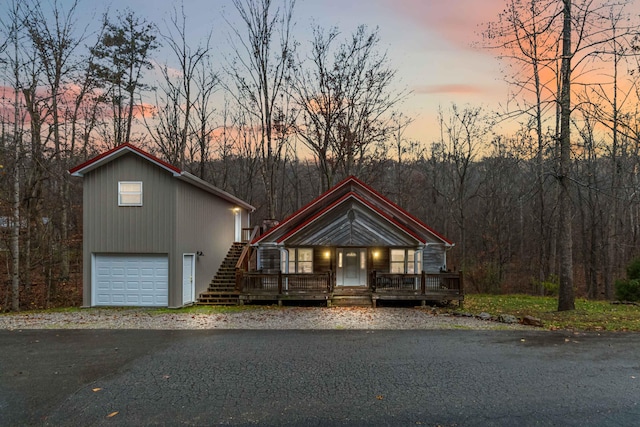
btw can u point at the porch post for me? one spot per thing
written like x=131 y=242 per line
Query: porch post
x=284 y=260
x=423 y=283
x=279 y=282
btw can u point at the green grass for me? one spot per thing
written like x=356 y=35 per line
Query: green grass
x=588 y=315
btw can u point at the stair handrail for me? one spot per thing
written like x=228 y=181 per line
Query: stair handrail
x=243 y=261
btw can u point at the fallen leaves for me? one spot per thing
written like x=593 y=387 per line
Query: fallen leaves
x=113 y=414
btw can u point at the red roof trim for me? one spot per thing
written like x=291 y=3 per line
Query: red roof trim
x=336 y=188
x=338 y=202
x=402 y=211
x=78 y=169
x=303 y=209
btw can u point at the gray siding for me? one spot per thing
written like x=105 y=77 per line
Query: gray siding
x=434 y=258
x=205 y=223
x=109 y=228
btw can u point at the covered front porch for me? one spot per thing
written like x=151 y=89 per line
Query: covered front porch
x=424 y=287
x=346 y=276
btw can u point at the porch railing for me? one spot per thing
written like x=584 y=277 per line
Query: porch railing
x=284 y=283
x=425 y=282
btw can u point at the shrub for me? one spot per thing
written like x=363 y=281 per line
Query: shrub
x=549 y=286
x=633 y=269
x=628 y=289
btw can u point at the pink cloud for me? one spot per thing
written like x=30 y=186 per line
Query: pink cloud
x=459 y=21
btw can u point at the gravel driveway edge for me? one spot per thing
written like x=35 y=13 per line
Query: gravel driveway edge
x=320 y=318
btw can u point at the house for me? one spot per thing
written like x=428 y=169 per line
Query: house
x=350 y=243
x=153 y=235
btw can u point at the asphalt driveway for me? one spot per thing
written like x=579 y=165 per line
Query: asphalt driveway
x=461 y=378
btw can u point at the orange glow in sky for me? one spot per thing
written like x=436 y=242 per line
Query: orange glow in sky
x=429 y=43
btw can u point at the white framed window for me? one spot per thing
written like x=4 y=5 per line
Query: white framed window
x=130 y=193
x=301 y=260
x=405 y=261
x=398 y=258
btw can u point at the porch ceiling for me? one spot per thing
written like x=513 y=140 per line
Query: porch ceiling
x=351 y=223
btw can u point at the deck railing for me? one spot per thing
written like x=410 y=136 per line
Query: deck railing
x=424 y=283
x=392 y=281
x=285 y=283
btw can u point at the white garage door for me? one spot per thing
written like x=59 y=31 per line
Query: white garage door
x=131 y=280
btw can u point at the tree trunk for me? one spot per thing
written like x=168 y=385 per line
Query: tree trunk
x=566 y=297
x=15 y=230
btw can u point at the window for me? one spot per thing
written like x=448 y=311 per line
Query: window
x=301 y=260
x=397 y=261
x=404 y=261
x=129 y=193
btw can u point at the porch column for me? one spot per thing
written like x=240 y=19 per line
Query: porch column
x=284 y=260
x=417 y=265
x=284 y=268
x=417 y=261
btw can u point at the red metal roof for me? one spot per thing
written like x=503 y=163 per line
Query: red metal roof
x=107 y=155
x=309 y=207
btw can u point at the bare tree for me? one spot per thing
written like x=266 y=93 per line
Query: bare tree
x=610 y=102
x=178 y=87
x=207 y=83
x=566 y=296
x=346 y=100
x=463 y=133
x=55 y=43
x=259 y=72
x=11 y=29
x=526 y=34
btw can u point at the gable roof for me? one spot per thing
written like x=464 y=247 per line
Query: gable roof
x=127 y=148
x=351 y=203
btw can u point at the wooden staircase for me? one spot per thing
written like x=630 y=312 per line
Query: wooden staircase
x=222 y=289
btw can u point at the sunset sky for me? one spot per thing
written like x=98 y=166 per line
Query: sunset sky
x=428 y=41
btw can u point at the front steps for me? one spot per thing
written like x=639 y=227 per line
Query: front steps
x=351 y=297
x=222 y=289
x=351 y=301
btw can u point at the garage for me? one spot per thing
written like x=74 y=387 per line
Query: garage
x=130 y=280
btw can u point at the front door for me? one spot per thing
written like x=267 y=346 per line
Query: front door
x=188 y=284
x=352 y=267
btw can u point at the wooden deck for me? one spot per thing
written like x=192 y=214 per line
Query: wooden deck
x=321 y=287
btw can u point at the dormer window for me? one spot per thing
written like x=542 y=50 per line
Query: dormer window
x=129 y=193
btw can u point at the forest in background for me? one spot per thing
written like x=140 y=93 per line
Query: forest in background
x=279 y=121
